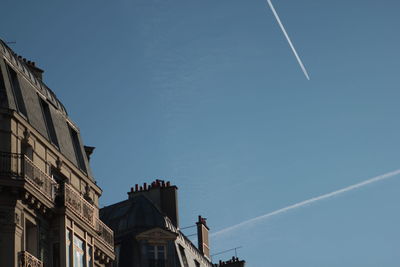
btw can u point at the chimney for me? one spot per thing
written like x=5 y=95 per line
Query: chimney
x=234 y=262
x=37 y=72
x=202 y=237
x=163 y=195
x=89 y=151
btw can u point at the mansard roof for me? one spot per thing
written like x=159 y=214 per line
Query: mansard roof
x=33 y=93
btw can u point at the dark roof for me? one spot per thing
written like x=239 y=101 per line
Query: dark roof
x=32 y=89
x=136 y=214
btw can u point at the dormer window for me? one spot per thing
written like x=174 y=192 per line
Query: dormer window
x=49 y=122
x=156 y=255
x=3 y=94
x=17 y=91
x=78 y=150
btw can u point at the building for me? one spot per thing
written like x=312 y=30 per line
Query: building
x=147 y=233
x=49 y=212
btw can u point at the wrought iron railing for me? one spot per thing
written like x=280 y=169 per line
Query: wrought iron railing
x=26 y=259
x=19 y=166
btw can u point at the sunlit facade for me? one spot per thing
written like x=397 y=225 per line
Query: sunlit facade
x=49 y=213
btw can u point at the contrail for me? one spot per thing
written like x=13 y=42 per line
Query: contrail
x=308 y=201
x=288 y=39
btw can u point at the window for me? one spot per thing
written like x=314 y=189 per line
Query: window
x=31 y=238
x=17 y=91
x=183 y=256
x=69 y=250
x=156 y=255
x=90 y=257
x=56 y=255
x=77 y=148
x=79 y=252
x=117 y=251
x=3 y=94
x=49 y=122
x=196 y=263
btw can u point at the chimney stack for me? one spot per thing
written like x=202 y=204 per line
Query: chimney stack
x=202 y=237
x=163 y=195
x=89 y=151
x=37 y=72
x=234 y=262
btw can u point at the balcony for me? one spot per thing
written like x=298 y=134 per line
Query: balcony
x=20 y=167
x=25 y=259
x=84 y=210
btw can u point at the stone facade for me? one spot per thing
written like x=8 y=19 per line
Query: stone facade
x=49 y=212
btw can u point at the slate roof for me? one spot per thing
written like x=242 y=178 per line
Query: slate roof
x=136 y=214
x=32 y=88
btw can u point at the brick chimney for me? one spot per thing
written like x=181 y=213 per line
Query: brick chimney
x=163 y=195
x=234 y=262
x=202 y=237
x=37 y=72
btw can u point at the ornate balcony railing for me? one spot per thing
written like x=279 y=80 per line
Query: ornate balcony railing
x=105 y=233
x=26 y=259
x=42 y=181
x=78 y=204
x=20 y=166
x=85 y=211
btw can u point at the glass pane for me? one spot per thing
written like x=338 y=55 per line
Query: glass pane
x=90 y=260
x=79 y=252
x=151 y=252
x=68 y=253
x=160 y=252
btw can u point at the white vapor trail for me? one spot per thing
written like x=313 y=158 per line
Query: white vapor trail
x=288 y=39
x=306 y=202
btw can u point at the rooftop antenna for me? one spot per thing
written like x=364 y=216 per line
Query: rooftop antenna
x=225 y=251
x=288 y=39
x=11 y=42
x=187 y=227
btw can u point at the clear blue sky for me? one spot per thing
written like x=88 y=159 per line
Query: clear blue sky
x=207 y=94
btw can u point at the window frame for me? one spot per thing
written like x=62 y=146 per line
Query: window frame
x=80 y=160
x=48 y=120
x=17 y=91
x=155 y=253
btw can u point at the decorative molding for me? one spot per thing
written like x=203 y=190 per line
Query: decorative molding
x=157 y=235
